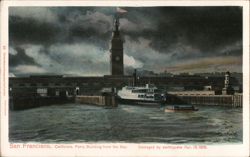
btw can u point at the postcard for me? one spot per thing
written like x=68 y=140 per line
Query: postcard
x=124 y=78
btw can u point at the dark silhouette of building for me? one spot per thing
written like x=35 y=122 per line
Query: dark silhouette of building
x=227 y=90
x=55 y=85
x=116 y=51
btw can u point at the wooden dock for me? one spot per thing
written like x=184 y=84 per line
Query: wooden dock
x=215 y=100
x=21 y=103
x=107 y=100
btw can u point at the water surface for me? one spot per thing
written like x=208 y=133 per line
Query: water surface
x=83 y=123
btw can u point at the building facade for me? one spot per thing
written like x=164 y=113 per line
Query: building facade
x=116 y=52
x=56 y=85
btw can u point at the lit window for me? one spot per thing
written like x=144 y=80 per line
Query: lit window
x=42 y=91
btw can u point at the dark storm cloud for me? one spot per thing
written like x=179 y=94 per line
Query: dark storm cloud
x=20 y=58
x=77 y=33
x=69 y=25
x=52 y=37
x=212 y=28
x=205 y=28
x=27 y=30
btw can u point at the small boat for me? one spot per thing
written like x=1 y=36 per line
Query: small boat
x=177 y=108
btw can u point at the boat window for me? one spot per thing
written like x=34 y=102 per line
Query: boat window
x=139 y=91
x=151 y=90
x=129 y=88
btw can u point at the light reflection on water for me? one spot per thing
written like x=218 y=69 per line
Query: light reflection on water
x=127 y=123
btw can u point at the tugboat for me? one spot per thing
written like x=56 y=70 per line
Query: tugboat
x=177 y=108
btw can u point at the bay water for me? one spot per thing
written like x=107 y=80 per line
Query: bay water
x=73 y=123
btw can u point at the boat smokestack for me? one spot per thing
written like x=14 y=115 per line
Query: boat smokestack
x=134 y=78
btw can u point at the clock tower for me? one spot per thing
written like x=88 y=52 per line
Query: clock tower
x=116 y=51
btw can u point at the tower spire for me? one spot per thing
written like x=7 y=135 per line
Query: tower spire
x=117 y=24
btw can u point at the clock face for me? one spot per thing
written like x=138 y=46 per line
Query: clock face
x=117 y=58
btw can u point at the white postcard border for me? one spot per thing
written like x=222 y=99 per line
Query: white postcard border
x=124 y=149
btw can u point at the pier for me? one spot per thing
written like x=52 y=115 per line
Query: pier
x=213 y=100
x=21 y=103
x=108 y=100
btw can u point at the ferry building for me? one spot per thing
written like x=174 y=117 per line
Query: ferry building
x=52 y=85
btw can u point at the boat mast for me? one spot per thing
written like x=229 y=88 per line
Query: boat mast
x=134 y=78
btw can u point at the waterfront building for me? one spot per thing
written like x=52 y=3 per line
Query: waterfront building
x=227 y=90
x=56 y=85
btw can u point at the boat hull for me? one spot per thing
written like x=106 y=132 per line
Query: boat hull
x=180 y=109
x=140 y=102
x=171 y=110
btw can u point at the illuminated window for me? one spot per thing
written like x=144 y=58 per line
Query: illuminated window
x=42 y=91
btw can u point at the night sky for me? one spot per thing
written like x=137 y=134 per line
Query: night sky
x=75 y=41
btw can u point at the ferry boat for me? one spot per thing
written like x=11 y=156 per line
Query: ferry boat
x=144 y=95
x=185 y=108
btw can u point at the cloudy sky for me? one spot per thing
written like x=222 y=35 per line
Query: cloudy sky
x=76 y=40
